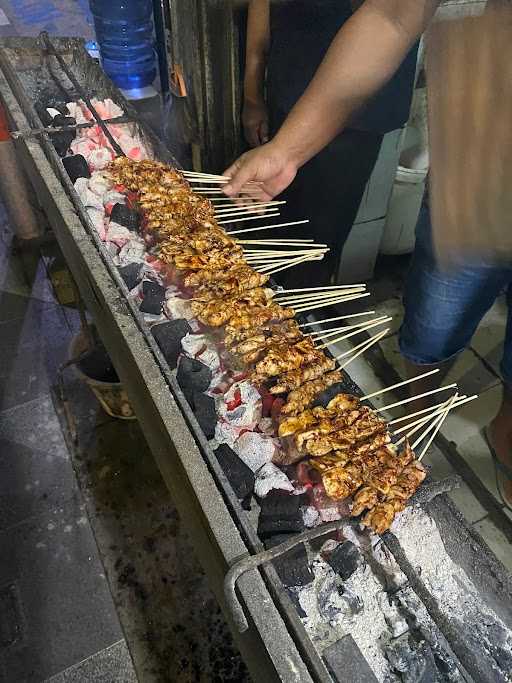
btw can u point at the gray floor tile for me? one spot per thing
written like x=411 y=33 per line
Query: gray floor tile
x=34 y=424
x=32 y=482
x=467 y=503
x=65 y=610
x=465 y=422
x=112 y=665
x=476 y=453
x=31 y=375
x=15 y=306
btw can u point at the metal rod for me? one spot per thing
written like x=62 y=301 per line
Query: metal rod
x=52 y=51
x=32 y=132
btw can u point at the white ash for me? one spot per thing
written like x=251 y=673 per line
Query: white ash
x=192 y=344
x=99 y=159
x=177 y=308
x=224 y=433
x=255 y=449
x=100 y=184
x=245 y=415
x=454 y=591
x=270 y=477
x=87 y=196
x=132 y=252
x=266 y=426
x=310 y=516
x=112 y=197
x=334 y=609
x=97 y=217
x=118 y=233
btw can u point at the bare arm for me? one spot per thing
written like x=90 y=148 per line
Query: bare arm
x=254 y=114
x=362 y=58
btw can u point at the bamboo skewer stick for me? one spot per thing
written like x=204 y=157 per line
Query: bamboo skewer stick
x=413 y=398
x=351 y=334
x=437 y=407
x=283 y=264
x=275 y=242
x=251 y=218
x=420 y=424
x=313 y=306
x=400 y=384
x=320 y=289
x=303 y=298
x=338 y=317
x=268 y=227
x=271 y=260
x=368 y=344
x=247 y=207
x=325 y=334
x=425 y=418
x=440 y=420
x=431 y=426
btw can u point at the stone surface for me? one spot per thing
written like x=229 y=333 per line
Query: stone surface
x=112 y=665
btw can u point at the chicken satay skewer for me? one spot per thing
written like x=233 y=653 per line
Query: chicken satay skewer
x=414 y=398
x=284 y=265
x=258 y=217
x=435 y=413
x=297 y=299
x=338 y=317
x=421 y=423
x=400 y=384
x=253 y=205
x=439 y=423
x=361 y=348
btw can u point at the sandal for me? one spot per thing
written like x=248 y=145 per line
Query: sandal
x=501 y=470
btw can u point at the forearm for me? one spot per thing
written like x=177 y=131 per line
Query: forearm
x=258 y=40
x=362 y=58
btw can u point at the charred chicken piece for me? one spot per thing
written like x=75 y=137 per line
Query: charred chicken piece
x=241 y=281
x=287 y=327
x=347 y=437
x=279 y=359
x=257 y=316
x=302 y=397
x=296 y=378
x=217 y=312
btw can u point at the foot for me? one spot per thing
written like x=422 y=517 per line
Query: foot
x=500 y=436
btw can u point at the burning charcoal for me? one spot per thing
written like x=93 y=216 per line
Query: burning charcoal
x=206 y=415
x=293 y=567
x=193 y=376
x=154 y=295
x=239 y=475
x=325 y=396
x=76 y=167
x=270 y=477
x=345 y=559
x=347 y=663
x=122 y=214
x=168 y=336
x=131 y=274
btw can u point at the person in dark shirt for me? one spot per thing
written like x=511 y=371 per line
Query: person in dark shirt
x=286 y=42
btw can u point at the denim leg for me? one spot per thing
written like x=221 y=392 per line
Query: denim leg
x=444 y=307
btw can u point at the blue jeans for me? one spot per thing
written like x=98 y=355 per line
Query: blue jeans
x=444 y=307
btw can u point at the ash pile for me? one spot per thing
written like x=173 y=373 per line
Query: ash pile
x=422 y=603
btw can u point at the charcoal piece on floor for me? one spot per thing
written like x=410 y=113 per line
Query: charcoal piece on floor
x=131 y=274
x=153 y=297
x=239 y=475
x=293 y=567
x=345 y=559
x=97 y=365
x=193 y=376
x=76 y=167
x=280 y=514
x=123 y=215
x=414 y=662
x=205 y=413
x=168 y=336
x=346 y=662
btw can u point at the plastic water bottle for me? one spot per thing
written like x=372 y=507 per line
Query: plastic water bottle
x=124 y=31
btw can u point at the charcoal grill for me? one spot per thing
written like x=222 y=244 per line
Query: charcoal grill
x=270 y=633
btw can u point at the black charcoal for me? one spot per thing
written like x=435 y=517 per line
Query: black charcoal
x=293 y=567
x=123 y=215
x=328 y=394
x=61 y=120
x=97 y=365
x=168 y=336
x=279 y=504
x=76 y=167
x=345 y=559
x=193 y=376
x=415 y=662
x=206 y=415
x=131 y=274
x=62 y=141
x=271 y=525
x=346 y=662
x=153 y=298
x=239 y=475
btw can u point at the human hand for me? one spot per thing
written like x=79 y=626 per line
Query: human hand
x=255 y=122
x=268 y=167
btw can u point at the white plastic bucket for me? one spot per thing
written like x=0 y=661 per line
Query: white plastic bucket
x=403 y=209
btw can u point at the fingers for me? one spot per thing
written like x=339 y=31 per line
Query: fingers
x=241 y=172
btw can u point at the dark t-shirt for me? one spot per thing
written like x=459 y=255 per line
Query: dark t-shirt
x=301 y=33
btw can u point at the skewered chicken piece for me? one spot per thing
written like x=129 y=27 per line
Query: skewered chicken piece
x=380 y=517
x=345 y=439
x=254 y=349
x=381 y=481
x=233 y=278
x=285 y=327
x=363 y=422
x=279 y=359
x=218 y=258
x=226 y=286
x=313 y=416
x=217 y=312
x=257 y=316
x=301 y=397
x=296 y=378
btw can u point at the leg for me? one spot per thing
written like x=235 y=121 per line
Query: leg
x=443 y=308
